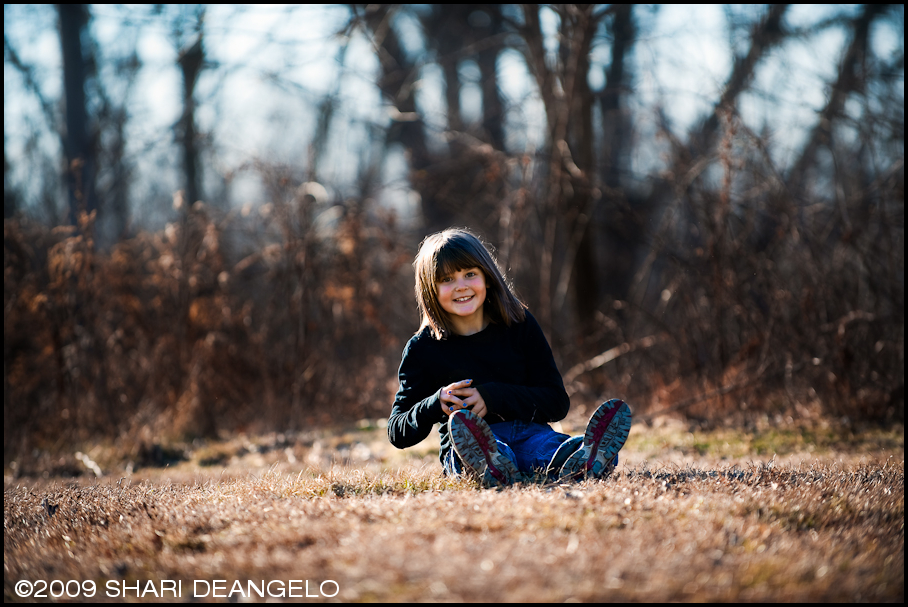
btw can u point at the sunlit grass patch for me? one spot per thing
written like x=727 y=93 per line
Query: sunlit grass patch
x=345 y=482
x=764 y=441
x=390 y=526
x=700 y=531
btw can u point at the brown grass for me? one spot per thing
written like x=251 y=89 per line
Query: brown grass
x=819 y=521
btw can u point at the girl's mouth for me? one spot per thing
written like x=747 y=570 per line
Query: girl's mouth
x=463 y=299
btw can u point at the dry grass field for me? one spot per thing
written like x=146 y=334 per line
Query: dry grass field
x=812 y=514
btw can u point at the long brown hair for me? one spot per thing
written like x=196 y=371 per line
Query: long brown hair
x=457 y=249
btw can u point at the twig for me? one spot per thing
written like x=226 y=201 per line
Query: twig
x=717 y=392
x=694 y=400
x=612 y=354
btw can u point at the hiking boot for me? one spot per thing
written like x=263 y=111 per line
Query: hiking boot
x=605 y=434
x=567 y=448
x=477 y=448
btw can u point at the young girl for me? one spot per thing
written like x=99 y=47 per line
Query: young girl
x=481 y=367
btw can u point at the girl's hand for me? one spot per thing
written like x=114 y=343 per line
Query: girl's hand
x=460 y=395
x=450 y=396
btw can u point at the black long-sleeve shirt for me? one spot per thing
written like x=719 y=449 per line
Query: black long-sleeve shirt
x=512 y=367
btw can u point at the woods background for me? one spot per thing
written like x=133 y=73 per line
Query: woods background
x=165 y=284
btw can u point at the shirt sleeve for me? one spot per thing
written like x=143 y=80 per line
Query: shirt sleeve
x=542 y=399
x=417 y=406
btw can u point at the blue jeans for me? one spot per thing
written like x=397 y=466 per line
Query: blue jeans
x=529 y=445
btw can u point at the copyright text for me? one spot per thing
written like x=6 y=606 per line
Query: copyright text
x=163 y=589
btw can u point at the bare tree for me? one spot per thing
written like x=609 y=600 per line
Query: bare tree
x=569 y=191
x=80 y=156
x=849 y=80
x=191 y=61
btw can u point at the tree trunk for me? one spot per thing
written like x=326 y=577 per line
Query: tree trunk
x=585 y=275
x=614 y=120
x=190 y=62
x=80 y=161
x=398 y=75
x=618 y=226
x=487 y=59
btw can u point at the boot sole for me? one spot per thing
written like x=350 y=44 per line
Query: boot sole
x=605 y=434
x=475 y=444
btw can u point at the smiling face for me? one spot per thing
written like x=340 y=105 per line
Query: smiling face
x=459 y=287
x=461 y=294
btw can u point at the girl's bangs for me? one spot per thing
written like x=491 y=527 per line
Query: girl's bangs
x=451 y=259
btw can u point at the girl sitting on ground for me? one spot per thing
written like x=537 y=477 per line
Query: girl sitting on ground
x=481 y=367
